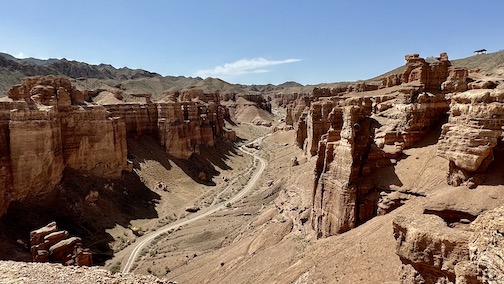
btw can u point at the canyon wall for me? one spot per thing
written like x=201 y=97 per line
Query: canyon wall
x=474 y=129
x=355 y=135
x=45 y=129
x=46 y=126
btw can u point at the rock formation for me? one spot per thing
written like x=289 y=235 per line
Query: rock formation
x=432 y=252
x=46 y=125
x=347 y=153
x=47 y=244
x=431 y=76
x=473 y=130
x=356 y=136
x=44 y=128
x=295 y=110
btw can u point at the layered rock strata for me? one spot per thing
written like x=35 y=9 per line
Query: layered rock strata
x=354 y=136
x=46 y=125
x=430 y=75
x=435 y=76
x=48 y=244
x=407 y=115
x=347 y=153
x=473 y=130
x=45 y=128
x=432 y=252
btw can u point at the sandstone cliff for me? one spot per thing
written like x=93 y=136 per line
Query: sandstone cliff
x=354 y=137
x=45 y=129
x=474 y=129
x=46 y=125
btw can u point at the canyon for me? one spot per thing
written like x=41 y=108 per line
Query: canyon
x=397 y=179
x=47 y=126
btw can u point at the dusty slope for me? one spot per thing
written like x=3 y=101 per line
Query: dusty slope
x=263 y=239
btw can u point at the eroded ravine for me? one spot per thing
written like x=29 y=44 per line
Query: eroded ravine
x=129 y=255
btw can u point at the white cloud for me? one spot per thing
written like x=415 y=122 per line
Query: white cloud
x=243 y=66
x=20 y=55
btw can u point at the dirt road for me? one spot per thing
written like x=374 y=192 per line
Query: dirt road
x=128 y=256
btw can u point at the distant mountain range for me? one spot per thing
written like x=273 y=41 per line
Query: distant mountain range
x=138 y=81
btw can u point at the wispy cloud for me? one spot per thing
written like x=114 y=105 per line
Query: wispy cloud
x=20 y=55
x=243 y=66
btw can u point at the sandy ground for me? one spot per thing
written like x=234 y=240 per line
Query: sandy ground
x=266 y=239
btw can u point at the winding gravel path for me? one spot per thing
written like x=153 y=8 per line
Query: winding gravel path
x=132 y=252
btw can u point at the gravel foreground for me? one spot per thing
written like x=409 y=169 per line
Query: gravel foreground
x=35 y=272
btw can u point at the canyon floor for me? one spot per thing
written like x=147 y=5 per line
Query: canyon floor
x=265 y=237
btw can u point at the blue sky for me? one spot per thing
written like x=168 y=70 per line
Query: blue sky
x=251 y=42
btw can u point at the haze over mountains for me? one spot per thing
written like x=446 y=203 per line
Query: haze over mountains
x=134 y=81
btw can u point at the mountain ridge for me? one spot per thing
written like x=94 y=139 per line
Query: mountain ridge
x=133 y=81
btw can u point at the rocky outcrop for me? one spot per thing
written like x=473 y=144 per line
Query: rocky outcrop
x=318 y=123
x=46 y=125
x=473 y=130
x=47 y=244
x=408 y=115
x=259 y=100
x=486 y=250
x=197 y=95
x=337 y=171
x=428 y=249
x=433 y=77
x=35 y=158
x=184 y=126
x=140 y=119
x=295 y=110
x=433 y=252
x=361 y=87
x=93 y=142
x=347 y=153
x=355 y=136
x=430 y=75
x=391 y=80
x=45 y=128
x=456 y=81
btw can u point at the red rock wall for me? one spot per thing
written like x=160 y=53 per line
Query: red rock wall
x=474 y=128
x=140 y=119
x=339 y=166
x=93 y=142
x=184 y=126
x=36 y=154
x=45 y=126
x=42 y=133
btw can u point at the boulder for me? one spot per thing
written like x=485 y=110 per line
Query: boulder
x=428 y=249
x=50 y=245
x=37 y=236
x=192 y=209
